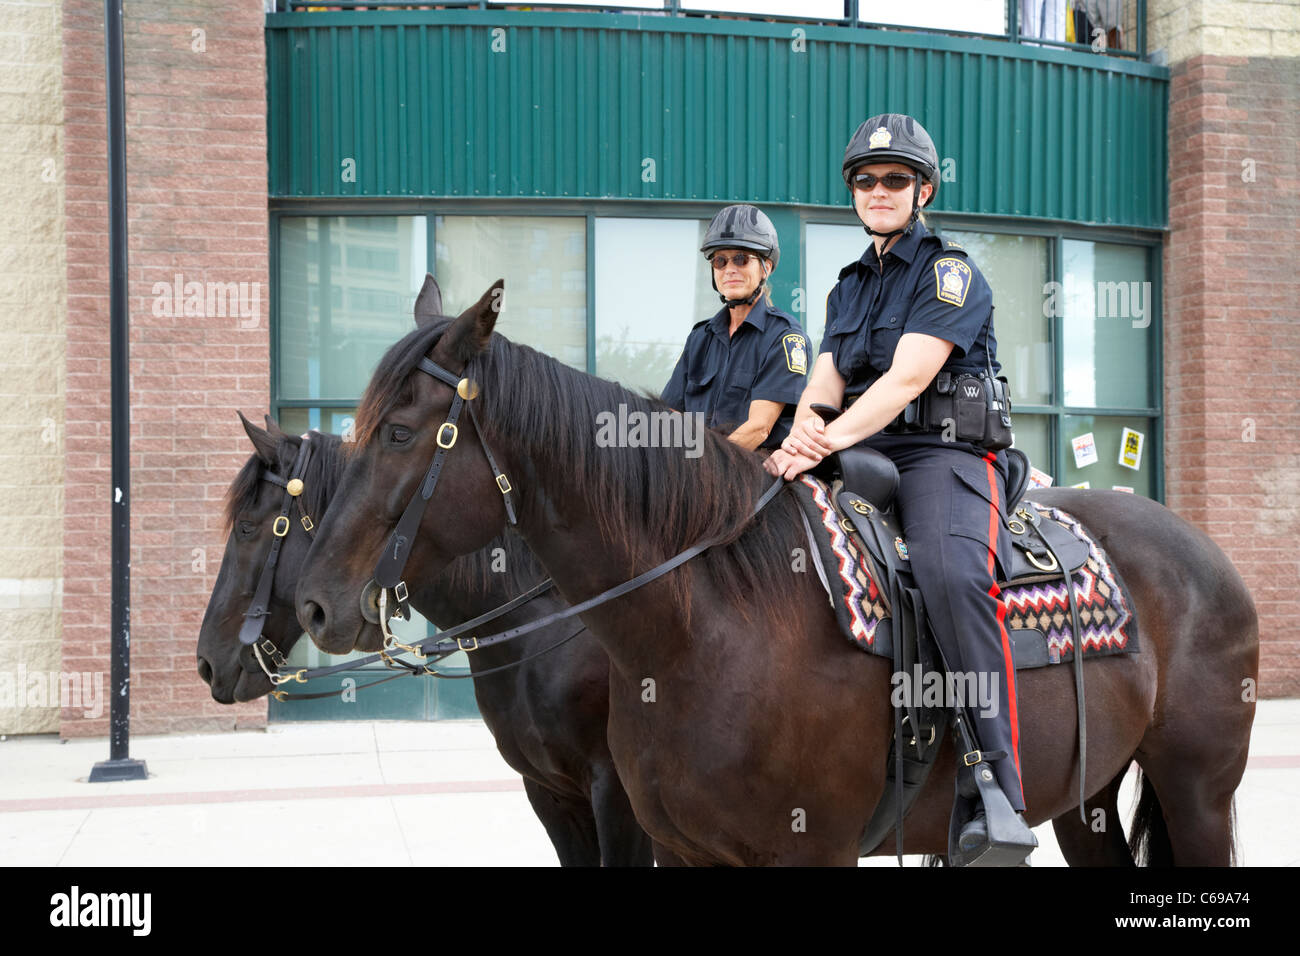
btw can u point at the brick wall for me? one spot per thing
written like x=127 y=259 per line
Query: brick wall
x=196 y=165
x=32 y=277
x=1232 y=327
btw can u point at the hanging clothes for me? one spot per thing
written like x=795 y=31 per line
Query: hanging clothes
x=1042 y=19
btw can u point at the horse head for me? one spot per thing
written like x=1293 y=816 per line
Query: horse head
x=402 y=425
x=254 y=504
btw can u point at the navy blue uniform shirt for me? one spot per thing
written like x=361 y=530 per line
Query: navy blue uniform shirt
x=719 y=374
x=924 y=284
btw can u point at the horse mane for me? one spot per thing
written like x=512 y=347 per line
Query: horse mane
x=657 y=502
x=324 y=469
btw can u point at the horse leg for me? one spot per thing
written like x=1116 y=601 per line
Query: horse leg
x=1081 y=845
x=1195 y=797
x=568 y=822
x=622 y=841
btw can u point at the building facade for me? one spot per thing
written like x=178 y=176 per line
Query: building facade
x=293 y=175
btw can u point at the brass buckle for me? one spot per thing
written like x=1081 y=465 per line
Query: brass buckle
x=1015 y=527
x=278 y=529
x=861 y=507
x=974 y=753
x=504 y=484
x=1024 y=513
x=454 y=434
x=307 y=523
x=1054 y=566
x=460 y=642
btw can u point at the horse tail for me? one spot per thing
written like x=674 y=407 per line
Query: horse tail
x=1234 y=851
x=1149 y=836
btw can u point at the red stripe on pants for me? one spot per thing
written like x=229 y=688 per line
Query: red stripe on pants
x=1008 y=660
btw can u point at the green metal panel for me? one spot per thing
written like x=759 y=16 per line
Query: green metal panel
x=577 y=103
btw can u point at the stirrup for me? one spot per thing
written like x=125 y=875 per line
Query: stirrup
x=1007 y=838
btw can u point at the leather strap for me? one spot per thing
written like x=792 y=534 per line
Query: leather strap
x=255 y=618
x=1068 y=574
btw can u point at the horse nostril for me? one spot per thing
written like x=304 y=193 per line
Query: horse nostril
x=316 y=619
x=205 y=671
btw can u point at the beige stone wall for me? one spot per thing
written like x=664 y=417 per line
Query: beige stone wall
x=1187 y=28
x=33 y=297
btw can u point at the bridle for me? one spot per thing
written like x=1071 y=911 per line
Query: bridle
x=388 y=572
x=255 y=618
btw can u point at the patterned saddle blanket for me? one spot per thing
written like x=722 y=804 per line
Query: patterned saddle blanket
x=1038 y=611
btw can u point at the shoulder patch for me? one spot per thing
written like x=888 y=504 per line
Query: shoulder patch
x=951 y=280
x=952 y=244
x=796 y=352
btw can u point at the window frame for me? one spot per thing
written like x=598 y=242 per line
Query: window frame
x=1055 y=232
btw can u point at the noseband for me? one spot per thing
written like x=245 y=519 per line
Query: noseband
x=255 y=618
x=388 y=572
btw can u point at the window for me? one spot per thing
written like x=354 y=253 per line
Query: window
x=544 y=263
x=652 y=285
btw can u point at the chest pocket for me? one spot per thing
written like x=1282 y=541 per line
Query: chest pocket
x=886 y=330
x=699 y=383
x=848 y=340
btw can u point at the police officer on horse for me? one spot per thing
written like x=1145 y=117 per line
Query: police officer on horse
x=743 y=368
x=906 y=322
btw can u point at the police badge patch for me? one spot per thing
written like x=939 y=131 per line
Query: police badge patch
x=880 y=139
x=952 y=280
x=796 y=353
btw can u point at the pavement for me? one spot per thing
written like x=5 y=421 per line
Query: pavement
x=399 y=793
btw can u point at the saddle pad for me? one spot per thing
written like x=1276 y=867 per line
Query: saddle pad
x=1037 y=607
x=858 y=605
x=1109 y=625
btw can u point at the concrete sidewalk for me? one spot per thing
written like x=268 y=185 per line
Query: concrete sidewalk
x=398 y=794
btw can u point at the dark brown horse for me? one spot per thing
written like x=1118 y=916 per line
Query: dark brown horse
x=746 y=730
x=548 y=715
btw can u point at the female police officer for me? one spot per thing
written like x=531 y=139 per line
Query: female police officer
x=912 y=316
x=745 y=367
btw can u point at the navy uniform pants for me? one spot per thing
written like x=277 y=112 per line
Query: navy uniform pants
x=950 y=501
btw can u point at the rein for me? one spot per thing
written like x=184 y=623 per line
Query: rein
x=388 y=572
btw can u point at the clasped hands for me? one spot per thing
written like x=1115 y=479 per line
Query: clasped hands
x=804 y=448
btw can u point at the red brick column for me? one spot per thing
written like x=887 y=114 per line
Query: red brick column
x=1232 y=331
x=196 y=165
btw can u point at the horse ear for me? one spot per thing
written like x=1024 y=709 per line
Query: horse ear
x=428 y=304
x=473 y=327
x=264 y=443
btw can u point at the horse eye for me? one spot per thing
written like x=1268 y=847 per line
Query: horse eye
x=246 y=528
x=399 y=435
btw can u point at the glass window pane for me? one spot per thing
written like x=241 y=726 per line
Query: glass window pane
x=827 y=250
x=966 y=16
x=652 y=285
x=1108 y=434
x=347 y=284
x=336 y=421
x=1016 y=270
x=1107 y=302
x=1030 y=434
x=544 y=262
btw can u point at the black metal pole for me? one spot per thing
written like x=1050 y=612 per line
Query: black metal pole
x=119 y=766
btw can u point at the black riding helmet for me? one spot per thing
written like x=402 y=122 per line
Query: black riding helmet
x=742 y=227
x=894 y=138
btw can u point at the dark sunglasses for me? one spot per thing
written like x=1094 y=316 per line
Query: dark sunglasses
x=741 y=259
x=892 y=181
